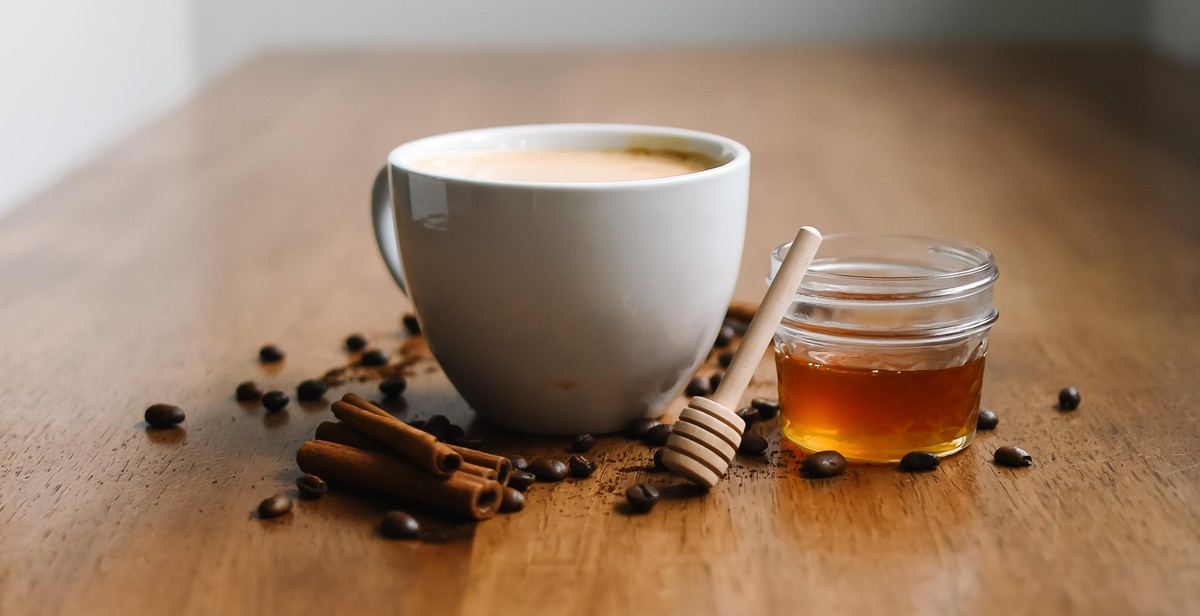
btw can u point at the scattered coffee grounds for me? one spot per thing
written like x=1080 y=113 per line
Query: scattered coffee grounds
x=519 y=463
x=581 y=467
x=748 y=414
x=513 y=500
x=1068 y=399
x=724 y=337
x=356 y=342
x=698 y=386
x=374 y=357
x=823 y=464
x=547 y=469
x=988 y=420
x=393 y=387
x=752 y=445
x=638 y=429
x=583 y=443
x=642 y=497
x=275 y=506
x=914 y=461
x=164 y=415
x=724 y=359
x=270 y=354
x=767 y=407
x=658 y=435
x=311 y=390
x=399 y=525
x=438 y=426
x=714 y=381
x=411 y=323
x=520 y=479
x=275 y=401
x=248 y=392
x=311 y=487
x=1012 y=456
x=658 y=463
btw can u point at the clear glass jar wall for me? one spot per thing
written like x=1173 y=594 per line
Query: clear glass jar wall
x=882 y=350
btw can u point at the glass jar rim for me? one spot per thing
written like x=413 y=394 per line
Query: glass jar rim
x=862 y=266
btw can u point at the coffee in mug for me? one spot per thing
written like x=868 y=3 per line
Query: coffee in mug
x=566 y=165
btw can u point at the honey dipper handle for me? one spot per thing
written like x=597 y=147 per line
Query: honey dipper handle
x=766 y=320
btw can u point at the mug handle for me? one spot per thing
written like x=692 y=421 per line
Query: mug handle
x=384 y=220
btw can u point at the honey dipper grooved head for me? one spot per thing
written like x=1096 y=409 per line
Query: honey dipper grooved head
x=703 y=443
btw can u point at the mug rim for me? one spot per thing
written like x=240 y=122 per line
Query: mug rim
x=740 y=158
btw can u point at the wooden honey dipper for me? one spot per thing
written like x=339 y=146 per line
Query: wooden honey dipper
x=708 y=433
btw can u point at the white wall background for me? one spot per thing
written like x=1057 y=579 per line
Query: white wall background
x=75 y=75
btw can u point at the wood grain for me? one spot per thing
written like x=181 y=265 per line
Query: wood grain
x=240 y=218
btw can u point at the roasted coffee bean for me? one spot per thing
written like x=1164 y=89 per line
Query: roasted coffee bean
x=399 y=525
x=698 y=386
x=658 y=435
x=748 y=414
x=312 y=389
x=752 y=445
x=248 y=392
x=416 y=423
x=519 y=463
x=767 y=407
x=275 y=401
x=164 y=415
x=658 y=463
x=470 y=442
x=374 y=357
x=988 y=420
x=724 y=359
x=513 y=500
x=311 y=487
x=581 y=467
x=919 y=461
x=737 y=326
x=521 y=479
x=393 y=387
x=642 y=497
x=714 y=381
x=411 y=324
x=275 y=506
x=823 y=464
x=724 y=337
x=438 y=426
x=453 y=433
x=270 y=354
x=1012 y=456
x=356 y=342
x=583 y=443
x=548 y=469
x=1068 y=399
x=638 y=429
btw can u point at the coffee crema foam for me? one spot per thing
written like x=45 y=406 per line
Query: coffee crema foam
x=565 y=165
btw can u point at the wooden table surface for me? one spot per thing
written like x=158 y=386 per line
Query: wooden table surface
x=240 y=218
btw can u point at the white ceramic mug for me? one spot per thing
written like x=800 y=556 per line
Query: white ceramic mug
x=566 y=308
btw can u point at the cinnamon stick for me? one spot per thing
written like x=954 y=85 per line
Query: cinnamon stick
x=500 y=464
x=420 y=448
x=342 y=434
x=458 y=493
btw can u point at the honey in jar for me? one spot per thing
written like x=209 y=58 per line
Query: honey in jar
x=883 y=348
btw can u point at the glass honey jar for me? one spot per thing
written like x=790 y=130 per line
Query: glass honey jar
x=882 y=349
